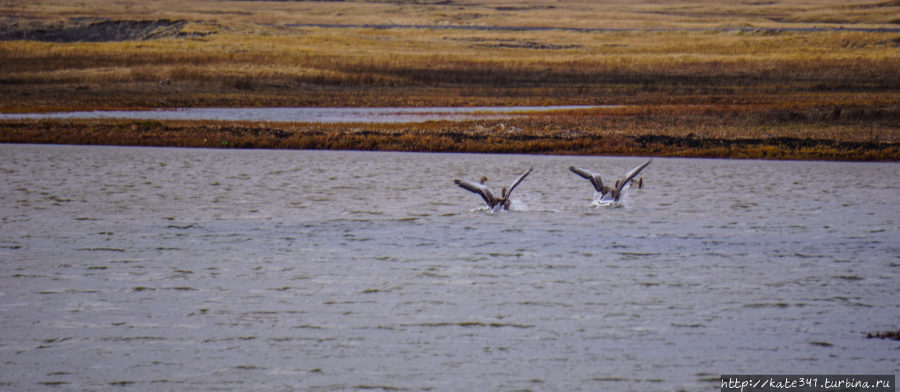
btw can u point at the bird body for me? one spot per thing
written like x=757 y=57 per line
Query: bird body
x=606 y=195
x=494 y=203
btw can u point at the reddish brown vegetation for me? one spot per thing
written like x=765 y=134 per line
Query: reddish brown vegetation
x=546 y=134
x=787 y=79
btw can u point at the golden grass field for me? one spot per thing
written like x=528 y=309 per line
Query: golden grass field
x=785 y=79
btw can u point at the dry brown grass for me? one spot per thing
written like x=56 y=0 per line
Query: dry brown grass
x=547 y=134
x=311 y=66
x=571 y=13
x=683 y=65
x=239 y=60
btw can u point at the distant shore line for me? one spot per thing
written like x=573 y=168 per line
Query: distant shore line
x=312 y=114
x=460 y=137
x=815 y=29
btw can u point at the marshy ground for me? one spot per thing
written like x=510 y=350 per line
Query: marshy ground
x=788 y=79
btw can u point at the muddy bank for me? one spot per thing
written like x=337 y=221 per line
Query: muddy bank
x=94 y=30
x=789 y=143
x=891 y=335
x=439 y=137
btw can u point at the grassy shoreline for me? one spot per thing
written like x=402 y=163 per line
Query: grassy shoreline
x=537 y=135
x=793 y=79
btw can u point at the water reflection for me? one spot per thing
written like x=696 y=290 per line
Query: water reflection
x=310 y=115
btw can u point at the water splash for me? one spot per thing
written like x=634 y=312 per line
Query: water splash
x=518 y=205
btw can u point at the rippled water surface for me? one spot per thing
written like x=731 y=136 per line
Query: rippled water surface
x=181 y=269
x=310 y=115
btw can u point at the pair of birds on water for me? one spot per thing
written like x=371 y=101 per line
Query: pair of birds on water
x=603 y=194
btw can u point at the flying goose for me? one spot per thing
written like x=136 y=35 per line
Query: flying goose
x=494 y=203
x=606 y=193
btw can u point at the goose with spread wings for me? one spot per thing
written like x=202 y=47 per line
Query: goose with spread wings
x=494 y=202
x=605 y=194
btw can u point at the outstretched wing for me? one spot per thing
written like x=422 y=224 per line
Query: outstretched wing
x=518 y=181
x=476 y=188
x=630 y=175
x=594 y=178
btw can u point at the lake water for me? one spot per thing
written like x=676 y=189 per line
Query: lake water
x=309 y=115
x=183 y=269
